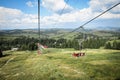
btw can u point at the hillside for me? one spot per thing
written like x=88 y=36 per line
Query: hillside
x=55 y=33
x=58 y=64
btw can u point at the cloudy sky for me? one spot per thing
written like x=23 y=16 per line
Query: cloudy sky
x=22 y=14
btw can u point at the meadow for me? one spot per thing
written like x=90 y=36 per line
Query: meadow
x=59 y=64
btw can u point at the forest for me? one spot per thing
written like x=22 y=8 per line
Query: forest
x=30 y=43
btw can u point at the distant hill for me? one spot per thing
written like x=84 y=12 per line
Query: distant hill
x=56 y=32
x=107 y=28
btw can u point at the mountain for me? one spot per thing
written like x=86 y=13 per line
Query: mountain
x=107 y=28
x=56 y=32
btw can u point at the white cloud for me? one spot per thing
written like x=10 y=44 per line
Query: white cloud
x=98 y=6
x=56 y=6
x=94 y=9
x=5 y=12
x=31 y=3
x=102 y=5
x=14 y=18
x=18 y=19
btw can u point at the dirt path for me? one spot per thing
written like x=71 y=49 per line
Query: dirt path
x=9 y=60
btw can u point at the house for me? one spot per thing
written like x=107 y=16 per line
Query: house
x=14 y=49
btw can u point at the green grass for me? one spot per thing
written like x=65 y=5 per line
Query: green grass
x=58 y=64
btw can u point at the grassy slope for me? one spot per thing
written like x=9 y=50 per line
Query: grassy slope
x=58 y=64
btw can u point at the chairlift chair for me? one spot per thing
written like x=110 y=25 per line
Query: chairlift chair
x=81 y=53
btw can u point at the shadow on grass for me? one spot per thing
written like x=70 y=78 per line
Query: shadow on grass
x=53 y=58
x=4 y=55
x=114 y=56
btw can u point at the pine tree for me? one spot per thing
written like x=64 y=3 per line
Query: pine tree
x=118 y=46
x=75 y=44
x=1 y=54
x=108 y=45
x=114 y=45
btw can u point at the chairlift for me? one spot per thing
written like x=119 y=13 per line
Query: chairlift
x=41 y=48
x=82 y=52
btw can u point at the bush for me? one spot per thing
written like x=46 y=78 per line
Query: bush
x=113 y=45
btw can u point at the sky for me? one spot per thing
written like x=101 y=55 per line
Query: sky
x=23 y=14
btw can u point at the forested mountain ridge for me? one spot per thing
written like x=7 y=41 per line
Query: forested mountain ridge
x=52 y=33
x=27 y=39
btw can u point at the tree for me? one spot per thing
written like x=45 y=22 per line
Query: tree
x=114 y=44
x=1 y=54
x=24 y=47
x=75 y=44
x=108 y=45
x=118 y=46
x=119 y=37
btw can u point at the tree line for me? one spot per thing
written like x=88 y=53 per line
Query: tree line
x=30 y=43
x=114 y=44
x=94 y=43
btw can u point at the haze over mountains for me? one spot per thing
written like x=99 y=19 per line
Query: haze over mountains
x=91 y=28
x=56 y=32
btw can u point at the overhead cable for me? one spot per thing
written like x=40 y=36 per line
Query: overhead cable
x=96 y=17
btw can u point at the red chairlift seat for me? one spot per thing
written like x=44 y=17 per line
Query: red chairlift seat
x=78 y=54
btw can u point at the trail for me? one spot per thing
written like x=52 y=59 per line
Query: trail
x=9 y=60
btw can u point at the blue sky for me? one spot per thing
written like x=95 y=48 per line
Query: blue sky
x=19 y=4
x=22 y=14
